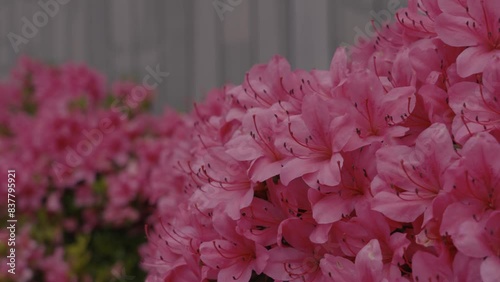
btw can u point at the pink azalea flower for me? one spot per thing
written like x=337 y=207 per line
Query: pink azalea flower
x=466 y=269
x=353 y=234
x=418 y=19
x=256 y=144
x=222 y=180
x=428 y=237
x=407 y=185
x=314 y=144
x=234 y=256
x=476 y=104
x=260 y=221
x=427 y=267
x=186 y=272
x=330 y=204
x=382 y=48
x=291 y=199
x=173 y=247
x=296 y=258
x=473 y=24
x=368 y=265
x=491 y=236
x=431 y=60
x=375 y=112
x=471 y=181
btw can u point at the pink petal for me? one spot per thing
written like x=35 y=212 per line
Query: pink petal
x=331 y=208
x=278 y=256
x=487 y=12
x=339 y=268
x=474 y=59
x=466 y=269
x=397 y=209
x=240 y=272
x=369 y=261
x=298 y=167
x=452 y=7
x=338 y=66
x=428 y=267
x=490 y=269
x=320 y=234
x=491 y=75
x=453 y=31
x=296 y=232
x=329 y=174
x=263 y=169
x=469 y=240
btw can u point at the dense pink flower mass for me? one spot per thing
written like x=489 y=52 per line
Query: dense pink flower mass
x=383 y=168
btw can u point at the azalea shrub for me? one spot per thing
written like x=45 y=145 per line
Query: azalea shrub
x=383 y=168
x=84 y=155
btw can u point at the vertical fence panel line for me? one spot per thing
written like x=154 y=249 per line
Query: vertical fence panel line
x=254 y=32
x=134 y=27
x=106 y=39
x=47 y=36
x=377 y=5
x=61 y=38
x=283 y=42
x=150 y=41
x=18 y=12
x=6 y=26
x=221 y=47
x=319 y=32
x=237 y=41
x=88 y=33
x=137 y=36
x=298 y=24
x=69 y=32
x=272 y=25
x=332 y=26
x=206 y=50
x=176 y=36
x=165 y=24
x=89 y=21
x=96 y=24
x=85 y=41
x=34 y=45
x=189 y=55
x=290 y=7
x=161 y=91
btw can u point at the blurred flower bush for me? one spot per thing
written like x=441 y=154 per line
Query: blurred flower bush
x=84 y=157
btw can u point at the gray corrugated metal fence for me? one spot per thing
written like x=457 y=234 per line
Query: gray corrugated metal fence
x=201 y=43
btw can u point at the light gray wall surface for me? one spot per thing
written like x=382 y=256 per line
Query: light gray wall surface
x=201 y=43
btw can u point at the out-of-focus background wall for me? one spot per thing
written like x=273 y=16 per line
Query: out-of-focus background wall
x=201 y=43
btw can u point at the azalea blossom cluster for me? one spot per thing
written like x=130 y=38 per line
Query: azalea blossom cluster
x=83 y=156
x=383 y=168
